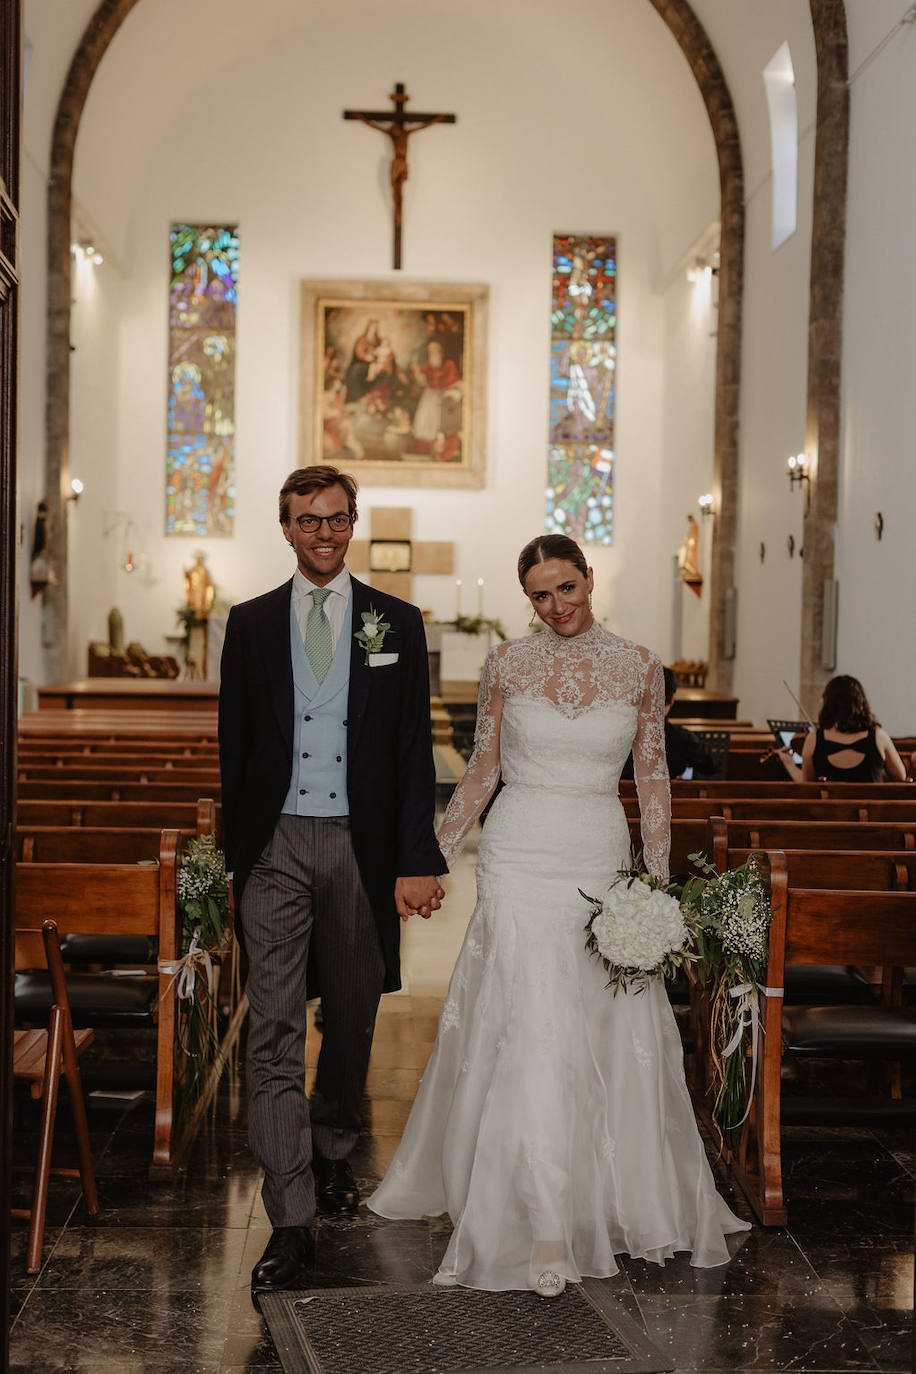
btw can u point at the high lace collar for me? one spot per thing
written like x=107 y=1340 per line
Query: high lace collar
x=593 y=635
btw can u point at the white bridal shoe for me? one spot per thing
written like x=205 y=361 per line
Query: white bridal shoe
x=549 y=1284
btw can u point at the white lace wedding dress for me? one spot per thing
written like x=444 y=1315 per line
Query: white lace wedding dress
x=553 y=1123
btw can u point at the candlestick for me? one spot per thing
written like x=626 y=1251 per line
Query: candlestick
x=480 y=598
x=457 y=597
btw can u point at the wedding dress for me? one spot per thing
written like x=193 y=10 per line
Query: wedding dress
x=553 y=1122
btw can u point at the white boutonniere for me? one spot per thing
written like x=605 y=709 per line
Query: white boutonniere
x=372 y=636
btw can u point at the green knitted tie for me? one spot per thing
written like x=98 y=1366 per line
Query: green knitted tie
x=319 y=648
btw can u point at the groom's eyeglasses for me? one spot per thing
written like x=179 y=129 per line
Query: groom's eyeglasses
x=308 y=524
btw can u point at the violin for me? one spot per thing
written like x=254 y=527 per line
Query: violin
x=794 y=746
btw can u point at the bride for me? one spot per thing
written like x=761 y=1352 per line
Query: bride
x=553 y=1122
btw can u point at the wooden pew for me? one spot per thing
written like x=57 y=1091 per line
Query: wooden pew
x=76 y=790
x=201 y=815
x=77 y=844
x=813 y=926
x=206 y=778
x=111 y=750
x=118 y=899
x=862 y=870
x=755 y=834
x=788 y=808
x=804 y=791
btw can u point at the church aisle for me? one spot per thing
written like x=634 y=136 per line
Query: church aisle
x=160 y=1281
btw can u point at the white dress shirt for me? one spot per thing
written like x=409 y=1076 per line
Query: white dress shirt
x=335 y=605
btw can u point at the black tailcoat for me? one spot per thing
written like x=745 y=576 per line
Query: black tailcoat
x=390 y=769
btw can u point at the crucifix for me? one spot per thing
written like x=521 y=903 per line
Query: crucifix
x=396 y=124
x=390 y=556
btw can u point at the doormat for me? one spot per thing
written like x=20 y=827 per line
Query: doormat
x=428 y=1330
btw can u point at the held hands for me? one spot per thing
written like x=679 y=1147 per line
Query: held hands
x=417 y=895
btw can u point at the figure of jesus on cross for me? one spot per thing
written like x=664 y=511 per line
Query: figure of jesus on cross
x=398 y=125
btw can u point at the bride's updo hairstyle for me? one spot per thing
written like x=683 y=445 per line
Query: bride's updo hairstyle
x=550 y=546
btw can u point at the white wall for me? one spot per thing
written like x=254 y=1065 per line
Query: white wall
x=745 y=35
x=688 y=438
x=592 y=125
x=876 y=641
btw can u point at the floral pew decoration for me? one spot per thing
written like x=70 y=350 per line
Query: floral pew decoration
x=205 y=936
x=715 y=928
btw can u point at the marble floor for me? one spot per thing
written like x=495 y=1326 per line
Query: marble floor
x=158 y=1282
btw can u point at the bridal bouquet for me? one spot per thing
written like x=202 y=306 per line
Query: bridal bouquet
x=638 y=930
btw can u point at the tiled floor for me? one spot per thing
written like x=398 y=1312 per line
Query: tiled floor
x=159 y=1281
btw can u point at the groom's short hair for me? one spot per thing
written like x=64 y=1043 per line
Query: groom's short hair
x=316 y=478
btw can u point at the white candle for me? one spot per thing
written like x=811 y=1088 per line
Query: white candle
x=479 y=598
x=457 y=597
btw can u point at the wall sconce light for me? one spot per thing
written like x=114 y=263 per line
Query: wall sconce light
x=705 y=504
x=798 y=473
x=87 y=252
x=698 y=269
x=76 y=489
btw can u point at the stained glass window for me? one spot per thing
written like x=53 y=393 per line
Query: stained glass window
x=583 y=360
x=200 y=463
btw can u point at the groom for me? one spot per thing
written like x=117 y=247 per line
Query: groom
x=328 y=789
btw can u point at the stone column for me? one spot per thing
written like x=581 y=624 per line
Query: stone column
x=825 y=335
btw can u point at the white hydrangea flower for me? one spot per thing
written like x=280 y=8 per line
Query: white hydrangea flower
x=638 y=926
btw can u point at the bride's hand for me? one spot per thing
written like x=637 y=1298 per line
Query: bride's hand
x=417 y=895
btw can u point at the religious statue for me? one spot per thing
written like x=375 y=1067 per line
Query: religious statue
x=688 y=558
x=40 y=570
x=199 y=588
x=115 y=631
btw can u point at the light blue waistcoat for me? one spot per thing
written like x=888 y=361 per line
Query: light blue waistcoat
x=319 y=781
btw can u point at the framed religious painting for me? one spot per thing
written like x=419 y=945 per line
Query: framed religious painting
x=392 y=381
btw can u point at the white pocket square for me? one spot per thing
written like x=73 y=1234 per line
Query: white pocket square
x=382 y=660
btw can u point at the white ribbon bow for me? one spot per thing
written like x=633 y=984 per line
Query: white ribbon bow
x=184 y=969
x=748 y=1019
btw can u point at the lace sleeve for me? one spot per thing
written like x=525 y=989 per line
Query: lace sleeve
x=482 y=774
x=651 y=772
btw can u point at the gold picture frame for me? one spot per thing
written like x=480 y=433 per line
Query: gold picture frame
x=392 y=381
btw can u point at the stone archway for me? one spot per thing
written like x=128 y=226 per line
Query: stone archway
x=100 y=30
x=698 y=51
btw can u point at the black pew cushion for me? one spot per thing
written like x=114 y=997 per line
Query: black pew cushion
x=109 y=949
x=820 y=984
x=96 y=999
x=850 y=1032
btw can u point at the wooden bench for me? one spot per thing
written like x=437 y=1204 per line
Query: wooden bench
x=788 y=808
x=206 y=779
x=201 y=815
x=77 y=844
x=759 y=834
x=816 y=926
x=76 y=790
x=112 y=899
x=778 y=791
x=111 y=749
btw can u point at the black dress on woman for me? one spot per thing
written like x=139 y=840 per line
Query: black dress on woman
x=870 y=767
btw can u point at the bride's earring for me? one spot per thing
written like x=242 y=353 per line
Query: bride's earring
x=533 y=621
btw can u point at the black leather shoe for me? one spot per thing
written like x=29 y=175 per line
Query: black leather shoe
x=335 y=1186
x=290 y=1251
